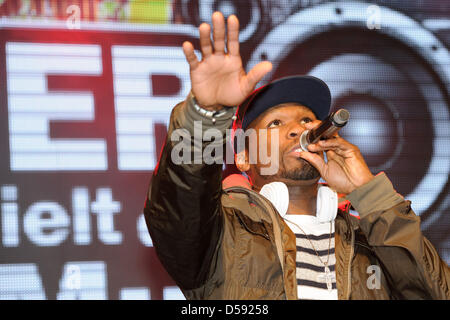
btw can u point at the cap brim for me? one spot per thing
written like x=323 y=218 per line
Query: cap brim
x=308 y=91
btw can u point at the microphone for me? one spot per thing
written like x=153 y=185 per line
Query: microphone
x=326 y=129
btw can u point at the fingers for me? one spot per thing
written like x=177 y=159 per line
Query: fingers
x=191 y=58
x=205 y=39
x=337 y=144
x=317 y=161
x=257 y=73
x=333 y=156
x=218 y=32
x=233 y=35
x=218 y=23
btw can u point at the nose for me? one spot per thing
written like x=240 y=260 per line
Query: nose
x=295 y=131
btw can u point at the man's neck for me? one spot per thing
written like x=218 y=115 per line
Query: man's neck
x=302 y=195
x=302 y=199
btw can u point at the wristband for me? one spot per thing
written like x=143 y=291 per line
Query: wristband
x=208 y=113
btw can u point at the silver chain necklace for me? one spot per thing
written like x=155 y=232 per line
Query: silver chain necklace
x=328 y=276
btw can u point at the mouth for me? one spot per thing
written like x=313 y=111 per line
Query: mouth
x=295 y=151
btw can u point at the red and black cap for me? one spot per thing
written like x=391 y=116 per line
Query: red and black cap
x=305 y=90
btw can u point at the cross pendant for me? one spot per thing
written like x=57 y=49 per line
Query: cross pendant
x=328 y=277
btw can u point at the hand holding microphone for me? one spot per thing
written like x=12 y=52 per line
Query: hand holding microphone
x=345 y=168
x=326 y=129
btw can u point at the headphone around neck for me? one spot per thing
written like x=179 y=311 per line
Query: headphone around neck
x=327 y=200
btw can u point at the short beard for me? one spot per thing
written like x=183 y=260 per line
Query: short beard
x=305 y=171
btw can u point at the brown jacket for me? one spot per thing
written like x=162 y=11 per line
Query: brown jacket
x=233 y=244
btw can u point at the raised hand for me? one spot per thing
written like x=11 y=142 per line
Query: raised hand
x=219 y=79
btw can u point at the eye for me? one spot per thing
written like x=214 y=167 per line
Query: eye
x=305 y=120
x=274 y=123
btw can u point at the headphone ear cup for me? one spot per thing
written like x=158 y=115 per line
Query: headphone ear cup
x=327 y=204
x=278 y=194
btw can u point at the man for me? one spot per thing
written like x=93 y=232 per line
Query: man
x=235 y=243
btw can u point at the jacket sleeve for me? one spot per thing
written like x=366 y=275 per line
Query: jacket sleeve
x=182 y=210
x=412 y=264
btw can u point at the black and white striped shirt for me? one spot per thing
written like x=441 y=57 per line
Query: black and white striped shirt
x=311 y=275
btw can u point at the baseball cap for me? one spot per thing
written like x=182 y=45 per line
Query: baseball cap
x=309 y=91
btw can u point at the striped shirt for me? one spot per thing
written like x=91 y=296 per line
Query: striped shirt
x=311 y=275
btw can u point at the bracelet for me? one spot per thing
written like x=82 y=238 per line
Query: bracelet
x=208 y=113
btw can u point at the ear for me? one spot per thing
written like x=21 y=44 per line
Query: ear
x=242 y=162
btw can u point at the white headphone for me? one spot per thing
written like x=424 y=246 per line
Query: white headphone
x=327 y=200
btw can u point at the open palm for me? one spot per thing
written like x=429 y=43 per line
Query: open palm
x=219 y=78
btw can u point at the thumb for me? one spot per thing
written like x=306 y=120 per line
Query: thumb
x=315 y=160
x=257 y=73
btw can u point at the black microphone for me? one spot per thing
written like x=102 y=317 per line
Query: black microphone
x=326 y=129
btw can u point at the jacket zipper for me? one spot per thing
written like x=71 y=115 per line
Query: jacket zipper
x=349 y=265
